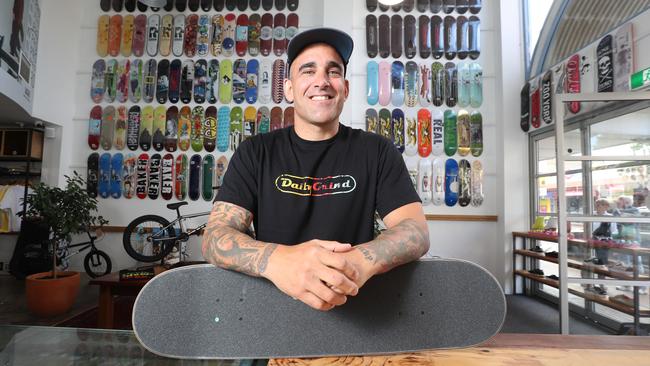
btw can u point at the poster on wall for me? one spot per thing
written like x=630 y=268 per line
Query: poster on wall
x=19 y=22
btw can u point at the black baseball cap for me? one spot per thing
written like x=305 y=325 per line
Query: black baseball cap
x=339 y=40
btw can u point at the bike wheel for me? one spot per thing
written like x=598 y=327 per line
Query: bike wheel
x=97 y=263
x=145 y=240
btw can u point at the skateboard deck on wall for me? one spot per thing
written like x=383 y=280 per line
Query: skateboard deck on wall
x=229 y=25
x=254 y=31
x=241 y=35
x=408 y=5
x=372 y=120
x=200 y=80
x=133 y=128
x=104 y=184
x=203 y=41
x=180 y=177
x=180 y=5
x=135 y=81
x=129 y=5
x=263 y=120
x=107 y=127
x=277 y=83
x=142 y=176
x=438 y=133
x=279 y=34
x=187 y=81
x=384 y=36
x=254 y=5
x=218 y=4
x=191 y=29
x=438 y=182
x=171 y=129
x=97 y=82
x=451 y=84
x=384 y=83
x=139 y=35
x=242 y=5
x=225 y=86
x=219 y=172
x=159 y=122
x=167 y=184
x=288 y=117
x=464 y=82
x=424 y=38
x=623 y=56
x=266 y=34
x=153 y=183
x=212 y=86
x=474 y=37
x=223 y=128
x=105 y=5
x=265 y=80
x=411 y=135
x=371 y=5
x=114 y=35
x=193 y=5
x=397 y=125
x=94 y=127
x=371 y=35
x=166 y=35
x=116 y=175
x=451 y=133
x=129 y=175
x=153 y=24
x=475 y=6
x=385 y=127
x=372 y=82
x=92 y=174
x=438 y=84
x=184 y=128
x=149 y=81
x=476 y=131
x=276 y=118
x=179 y=35
x=422 y=5
x=239 y=81
x=226 y=313
x=396 y=35
x=410 y=37
x=169 y=6
x=450 y=37
x=196 y=135
x=463 y=131
x=397 y=83
x=535 y=103
x=250 y=119
x=462 y=6
x=141 y=7
x=424 y=132
x=462 y=37
x=524 y=116
x=476 y=85
x=209 y=129
x=280 y=4
x=292 y=27
x=123 y=74
x=195 y=177
x=208 y=171
x=236 y=127
x=146 y=128
x=411 y=84
x=464 y=180
x=425 y=175
x=252 y=69
x=216 y=38
x=604 y=54
x=102 y=35
x=437 y=37
x=424 y=85
x=547 y=97
x=448 y=6
x=451 y=182
x=162 y=83
x=175 y=80
x=477 y=183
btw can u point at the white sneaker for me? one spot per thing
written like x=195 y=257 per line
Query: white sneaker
x=624 y=288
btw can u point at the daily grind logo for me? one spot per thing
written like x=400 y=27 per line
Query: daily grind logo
x=315 y=187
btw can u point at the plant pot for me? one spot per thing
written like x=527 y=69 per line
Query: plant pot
x=49 y=297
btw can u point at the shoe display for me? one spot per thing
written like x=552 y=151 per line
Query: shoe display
x=595 y=262
x=536 y=272
x=552 y=254
x=622 y=299
x=553 y=277
x=624 y=288
x=597 y=291
x=538 y=249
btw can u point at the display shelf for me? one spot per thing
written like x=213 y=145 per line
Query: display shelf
x=578 y=242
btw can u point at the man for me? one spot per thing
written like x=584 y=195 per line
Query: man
x=311 y=191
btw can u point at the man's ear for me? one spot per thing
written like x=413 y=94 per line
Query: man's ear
x=347 y=88
x=288 y=90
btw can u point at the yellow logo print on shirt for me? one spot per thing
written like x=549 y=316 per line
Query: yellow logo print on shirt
x=314 y=187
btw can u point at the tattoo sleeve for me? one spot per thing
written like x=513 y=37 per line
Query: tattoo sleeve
x=227 y=244
x=403 y=243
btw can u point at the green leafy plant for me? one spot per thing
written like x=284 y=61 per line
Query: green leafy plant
x=66 y=211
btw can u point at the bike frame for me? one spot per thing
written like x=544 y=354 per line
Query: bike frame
x=85 y=244
x=180 y=220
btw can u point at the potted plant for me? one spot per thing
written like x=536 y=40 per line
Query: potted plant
x=66 y=212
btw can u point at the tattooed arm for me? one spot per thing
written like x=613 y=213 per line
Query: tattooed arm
x=301 y=271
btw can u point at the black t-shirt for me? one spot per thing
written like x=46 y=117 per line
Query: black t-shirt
x=299 y=190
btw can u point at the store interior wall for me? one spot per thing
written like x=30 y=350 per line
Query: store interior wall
x=62 y=99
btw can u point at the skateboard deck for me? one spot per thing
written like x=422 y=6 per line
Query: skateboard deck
x=424 y=85
x=399 y=311
x=229 y=26
x=463 y=131
x=141 y=7
x=116 y=175
x=236 y=127
x=250 y=120
x=153 y=24
x=372 y=120
x=102 y=35
x=135 y=81
x=200 y=80
x=208 y=171
x=139 y=35
x=239 y=81
x=114 y=35
x=263 y=120
x=411 y=135
x=424 y=132
x=477 y=183
x=159 y=122
x=193 y=5
x=92 y=174
x=241 y=35
x=279 y=34
x=437 y=37
x=97 y=82
x=195 y=177
x=175 y=80
x=438 y=182
x=396 y=35
x=604 y=54
x=266 y=34
x=169 y=6
x=451 y=182
x=462 y=37
x=450 y=37
x=94 y=127
x=371 y=35
x=196 y=135
x=573 y=81
x=206 y=5
x=191 y=29
x=107 y=127
x=104 y=184
x=410 y=37
x=123 y=75
x=212 y=85
x=153 y=183
x=474 y=37
x=162 y=82
x=216 y=39
x=476 y=85
x=254 y=30
x=180 y=5
x=451 y=84
x=546 y=97
x=624 y=62
x=133 y=128
x=267 y=4
x=219 y=4
x=180 y=177
x=397 y=125
x=411 y=90
x=219 y=172
x=142 y=169
x=252 y=69
x=166 y=35
x=437 y=84
x=371 y=5
x=225 y=86
x=383 y=7
x=171 y=129
x=464 y=82
x=265 y=79
x=397 y=83
x=292 y=5
x=129 y=175
x=105 y=5
x=372 y=82
x=451 y=132
x=524 y=116
x=422 y=5
x=437 y=135
x=462 y=6
x=535 y=103
x=179 y=35
x=223 y=128
x=146 y=128
x=384 y=36
x=384 y=83
x=242 y=5
x=210 y=129
x=149 y=81
x=408 y=5
x=448 y=6
x=424 y=27
x=184 y=128
x=167 y=184
x=475 y=6
x=385 y=127
x=203 y=35
x=425 y=179
x=187 y=81
x=476 y=131
x=464 y=179
x=277 y=83
x=276 y=118
x=280 y=4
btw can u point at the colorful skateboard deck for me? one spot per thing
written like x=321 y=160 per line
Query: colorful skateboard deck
x=448 y=6
x=410 y=37
x=477 y=183
x=371 y=35
x=107 y=127
x=450 y=37
x=411 y=135
x=424 y=133
x=171 y=129
x=208 y=172
x=384 y=36
x=604 y=54
x=438 y=181
x=254 y=31
x=184 y=128
x=166 y=35
x=102 y=35
x=451 y=182
x=191 y=29
x=372 y=83
x=123 y=74
x=187 y=81
x=162 y=82
x=167 y=180
x=464 y=82
x=116 y=175
x=239 y=81
x=422 y=5
x=209 y=129
x=425 y=179
x=476 y=85
x=397 y=83
x=266 y=34
x=129 y=175
x=200 y=80
x=252 y=69
x=142 y=176
x=139 y=35
x=212 y=84
x=216 y=38
x=524 y=116
x=277 y=86
x=146 y=128
x=97 y=83
x=254 y=5
x=180 y=177
x=438 y=133
x=573 y=81
x=250 y=120
x=135 y=81
x=462 y=37
x=104 y=184
x=149 y=81
x=476 y=130
x=424 y=85
x=411 y=84
x=153 y=183
x=94 y=127
x=225 y=86
x=438 y=84
x=193 y=5
x=175 y=80
x=462 y=6
x=547 y=97
x=180 y=5
x=153 y=24
x=196 y=136
x=279 y=34
x=236 y=127
x=219 y=172
x=219 y=5
x=475 y=6
x=397 y=125
x=288 y=117
x=179 y=35
x=437 y=37
x=203 y=36
x=463 y=131
x=105 y=5
x=535 y=103
x=263 y=120
x=396 y=36
x=451 y=132
x=424 y=27
x=114 y=35
x=92 y=174
x=451 y=84
x=385 y=127
x=241 y=35
x=464 y=180
x=474 y=37
x=133 y=128
x=195 y=177
x=229 y=26
x=372 y=120
x=276 y=118
x=265 y=80
x=159 y=122
x=384 y=83
x=223 y=128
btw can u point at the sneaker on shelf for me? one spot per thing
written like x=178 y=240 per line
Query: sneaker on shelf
x=595 y=263
x=624 y=288
x=538 y=249
x=622 y=299
x=597 y=291
x=553 y=277
x=620 y=268
x=552 y=254
x=536 y=272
